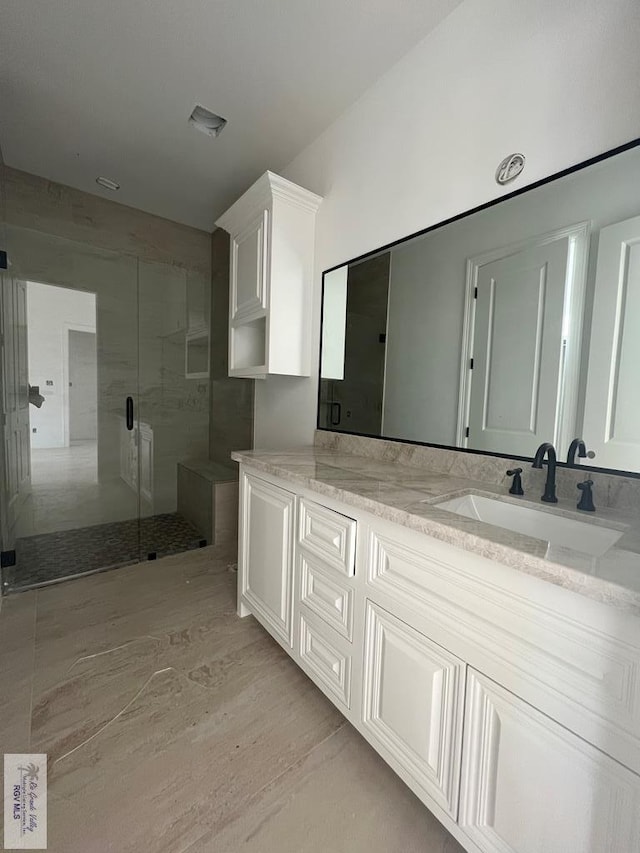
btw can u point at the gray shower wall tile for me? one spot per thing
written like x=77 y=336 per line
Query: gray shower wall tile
x=231 y=399
x=34 y=202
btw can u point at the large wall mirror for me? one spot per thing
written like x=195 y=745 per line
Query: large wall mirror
x=511 y=325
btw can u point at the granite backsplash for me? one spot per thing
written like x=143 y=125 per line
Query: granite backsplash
x=610 y=490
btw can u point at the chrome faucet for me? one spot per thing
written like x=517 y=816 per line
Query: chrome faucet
x=550 y=486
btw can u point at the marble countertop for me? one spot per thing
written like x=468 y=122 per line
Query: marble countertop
x=406 y=495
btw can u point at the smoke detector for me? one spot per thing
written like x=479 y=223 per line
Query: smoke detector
x=207 y=122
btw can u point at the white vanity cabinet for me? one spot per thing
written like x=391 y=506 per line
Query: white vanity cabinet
x=509 y=705
x=272 y=232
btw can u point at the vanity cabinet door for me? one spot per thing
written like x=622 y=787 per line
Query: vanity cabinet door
x=529 y=785
x=266 y=558
x=413 y=702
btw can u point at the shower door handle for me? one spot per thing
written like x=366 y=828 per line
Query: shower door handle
x=129 y=413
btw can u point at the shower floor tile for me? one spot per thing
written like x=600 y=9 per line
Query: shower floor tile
x=52 y=556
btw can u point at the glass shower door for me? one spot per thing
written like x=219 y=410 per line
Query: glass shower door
x=70 y=326
x=173 y=407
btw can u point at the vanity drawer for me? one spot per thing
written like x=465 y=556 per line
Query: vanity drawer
x=326 y=657
x=327 y=595
x=329 y=535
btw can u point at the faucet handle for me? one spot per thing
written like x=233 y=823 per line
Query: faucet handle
x=516 y=485
x=586 y=498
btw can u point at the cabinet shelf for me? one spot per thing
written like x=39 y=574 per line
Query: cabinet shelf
x=197 y=354
x=247 y=342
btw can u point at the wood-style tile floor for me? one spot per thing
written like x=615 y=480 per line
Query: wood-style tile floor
x=172 y=725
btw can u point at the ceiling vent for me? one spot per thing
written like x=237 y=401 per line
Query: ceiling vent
x=107 y=183
x=206 y=121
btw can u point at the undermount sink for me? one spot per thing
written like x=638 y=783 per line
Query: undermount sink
x=557 y=530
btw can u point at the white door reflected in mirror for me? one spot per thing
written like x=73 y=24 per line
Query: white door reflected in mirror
x=522 y=344
x=612 y=403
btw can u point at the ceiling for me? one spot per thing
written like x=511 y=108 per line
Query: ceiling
x=105 y=87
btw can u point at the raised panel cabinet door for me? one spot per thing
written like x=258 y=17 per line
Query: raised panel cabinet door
x=413 y=703
x=249 y=269
x=267 y=554
x=531 y=786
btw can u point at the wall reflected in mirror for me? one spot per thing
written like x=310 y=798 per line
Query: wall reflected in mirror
x=511 y=326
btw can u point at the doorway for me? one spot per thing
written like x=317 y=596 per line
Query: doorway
x=62 y=366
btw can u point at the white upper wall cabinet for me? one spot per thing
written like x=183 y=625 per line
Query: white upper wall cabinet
x=272 y=229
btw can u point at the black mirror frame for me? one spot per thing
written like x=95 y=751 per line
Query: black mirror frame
x=635 y=143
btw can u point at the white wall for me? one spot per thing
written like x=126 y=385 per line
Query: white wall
x=558 y=80
x=51 y=312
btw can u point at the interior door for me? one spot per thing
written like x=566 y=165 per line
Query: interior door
x=83 y=398
x=518 y=350
x=612 y=403
x=15 y=402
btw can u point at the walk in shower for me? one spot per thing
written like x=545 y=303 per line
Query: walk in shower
x=105 y=392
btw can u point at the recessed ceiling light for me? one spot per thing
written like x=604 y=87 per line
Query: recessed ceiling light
x=108 y=184
x=206 y=121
